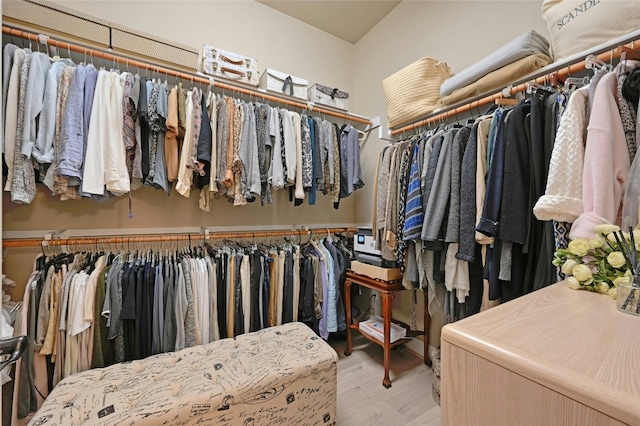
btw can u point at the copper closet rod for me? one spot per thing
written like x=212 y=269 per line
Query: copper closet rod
x=576 y=67
x=118 y=240
x=184 y=76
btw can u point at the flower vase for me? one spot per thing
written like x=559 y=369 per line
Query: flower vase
x=628 y=298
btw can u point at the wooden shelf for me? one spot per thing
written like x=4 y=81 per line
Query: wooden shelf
x=233 y=87
x=386 y=289
x=572 y=65
x=398 y=342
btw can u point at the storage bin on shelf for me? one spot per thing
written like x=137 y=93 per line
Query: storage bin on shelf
x=230 y=65
x=414 y=91
x=283 y=83
x=329 y=96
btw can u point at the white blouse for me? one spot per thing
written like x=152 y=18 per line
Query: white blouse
x=105 y=160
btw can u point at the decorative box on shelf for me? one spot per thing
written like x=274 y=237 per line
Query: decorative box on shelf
x=329 y=96
x=230 y=65
x=283 y=83
x=376 y=272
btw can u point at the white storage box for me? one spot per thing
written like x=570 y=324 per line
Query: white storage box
x=325 y=95
x=286 y=84
x=576 y=26
x=229 y=65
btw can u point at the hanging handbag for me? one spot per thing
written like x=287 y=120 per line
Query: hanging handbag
x=229 y=65
x=414 y=91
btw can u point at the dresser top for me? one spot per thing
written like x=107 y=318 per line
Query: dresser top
x=574 y=342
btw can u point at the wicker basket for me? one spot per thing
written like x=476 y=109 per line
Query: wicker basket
x=414 y=91
x=435 y=384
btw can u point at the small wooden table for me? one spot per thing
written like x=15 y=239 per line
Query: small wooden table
x=386 y=290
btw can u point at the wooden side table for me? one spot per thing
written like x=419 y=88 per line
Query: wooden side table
x=386 y=290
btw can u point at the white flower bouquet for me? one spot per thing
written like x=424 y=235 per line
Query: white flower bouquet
x=601 y=264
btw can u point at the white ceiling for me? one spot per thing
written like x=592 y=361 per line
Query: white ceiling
x=348 y=20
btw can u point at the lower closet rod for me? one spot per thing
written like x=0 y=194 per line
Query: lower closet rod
x=184 y=76
x=36 y=242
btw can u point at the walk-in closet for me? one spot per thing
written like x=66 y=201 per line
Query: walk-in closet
x=320 y=213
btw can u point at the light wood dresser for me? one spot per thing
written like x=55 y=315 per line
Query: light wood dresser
x=553 y=357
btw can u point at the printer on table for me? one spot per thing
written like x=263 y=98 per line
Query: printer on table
x=364 y=245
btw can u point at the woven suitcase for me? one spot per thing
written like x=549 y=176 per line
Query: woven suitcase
x=229 y=65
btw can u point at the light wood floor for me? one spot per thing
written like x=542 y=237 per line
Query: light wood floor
x=362 y=400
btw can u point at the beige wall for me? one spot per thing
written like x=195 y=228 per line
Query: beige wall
x=276 y=41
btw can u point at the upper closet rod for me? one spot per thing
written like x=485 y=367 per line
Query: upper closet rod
x=512 y=90
x=37 y=242
x=189 y=77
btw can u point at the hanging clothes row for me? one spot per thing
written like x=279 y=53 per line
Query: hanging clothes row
x=86 y=310
x=598 y=138
x=493 y=198
x=89 y=133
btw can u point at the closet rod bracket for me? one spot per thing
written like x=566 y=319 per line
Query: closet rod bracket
x=506 y=92
x=43 y=38
x=376 y=123
x=55 y=235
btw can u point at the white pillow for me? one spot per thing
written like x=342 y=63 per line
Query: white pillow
x=576 y=26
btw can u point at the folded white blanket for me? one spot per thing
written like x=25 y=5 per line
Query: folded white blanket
x=497 y=79
x=527 y=44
